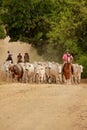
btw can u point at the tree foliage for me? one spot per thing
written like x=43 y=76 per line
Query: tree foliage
x=2 y=29
x=83 y=61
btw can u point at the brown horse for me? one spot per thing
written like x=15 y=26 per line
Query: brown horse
x=67 y=71
x=16 y=71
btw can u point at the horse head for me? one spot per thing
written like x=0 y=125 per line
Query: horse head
x=69 y=59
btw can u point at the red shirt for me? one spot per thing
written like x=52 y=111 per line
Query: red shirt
x=65 y=57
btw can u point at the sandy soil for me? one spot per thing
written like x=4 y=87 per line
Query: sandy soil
x=42 y=106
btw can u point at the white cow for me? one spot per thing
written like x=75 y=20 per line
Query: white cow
x=28 y=72
x=53 y=72
x=5 y=69
x=60 y=73
x=78 y=69
x=40 y=76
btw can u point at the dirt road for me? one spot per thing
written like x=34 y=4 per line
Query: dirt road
x=43 y=107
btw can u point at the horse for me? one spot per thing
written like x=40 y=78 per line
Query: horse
x=16 y=71
x=67 y=71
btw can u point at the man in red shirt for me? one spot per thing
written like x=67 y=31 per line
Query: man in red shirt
x=67 y=56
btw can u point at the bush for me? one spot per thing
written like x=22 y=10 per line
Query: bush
x=83 y=61
x=2 y=32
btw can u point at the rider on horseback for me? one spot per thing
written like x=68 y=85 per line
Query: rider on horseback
x=26 y=57
x=19 y=58
x=67 y=57
x=9 y=58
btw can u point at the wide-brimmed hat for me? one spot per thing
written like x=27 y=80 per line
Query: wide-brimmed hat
x=67 y=50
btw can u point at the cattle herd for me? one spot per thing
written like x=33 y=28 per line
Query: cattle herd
x=40 y=72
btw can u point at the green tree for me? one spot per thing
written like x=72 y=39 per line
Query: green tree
x=27 y=20
x=83 y=61
x=70 y=29
x=2 y=29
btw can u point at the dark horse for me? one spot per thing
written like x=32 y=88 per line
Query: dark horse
x=68 y=71
x=16 y=71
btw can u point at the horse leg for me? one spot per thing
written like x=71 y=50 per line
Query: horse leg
x=64 y=78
